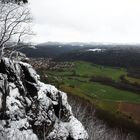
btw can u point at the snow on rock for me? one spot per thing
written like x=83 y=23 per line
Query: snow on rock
x=32 y=110
x=76 y=129
x=96 y=50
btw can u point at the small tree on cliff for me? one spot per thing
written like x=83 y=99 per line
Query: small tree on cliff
x=14 y=26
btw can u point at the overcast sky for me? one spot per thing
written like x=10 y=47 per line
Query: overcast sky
x=115 y=21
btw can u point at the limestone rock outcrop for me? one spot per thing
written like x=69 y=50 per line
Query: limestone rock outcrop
x=32 y=110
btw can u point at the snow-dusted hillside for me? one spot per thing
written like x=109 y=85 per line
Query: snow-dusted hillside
x=32 y=110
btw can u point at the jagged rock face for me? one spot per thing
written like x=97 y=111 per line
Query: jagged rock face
x=32 y=110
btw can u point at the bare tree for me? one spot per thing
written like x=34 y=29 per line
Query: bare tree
x=14 y=26
x=97 y=129
x=14 y=1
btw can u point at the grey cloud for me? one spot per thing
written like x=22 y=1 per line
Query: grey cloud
x=90 y=20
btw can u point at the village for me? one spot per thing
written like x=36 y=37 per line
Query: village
x=49 y=63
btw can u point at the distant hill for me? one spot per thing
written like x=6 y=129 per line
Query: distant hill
x=53 y=49
x=48 y=50
x=105 y=54
x=116 y=57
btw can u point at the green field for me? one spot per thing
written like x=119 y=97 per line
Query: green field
x=89 y=70
x=103 y=92
x=85 y=69
x=77 y=81
x=78 y=78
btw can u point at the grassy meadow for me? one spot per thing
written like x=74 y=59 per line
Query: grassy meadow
x=77 y=80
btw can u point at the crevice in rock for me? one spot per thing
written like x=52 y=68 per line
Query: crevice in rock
x=28 y=104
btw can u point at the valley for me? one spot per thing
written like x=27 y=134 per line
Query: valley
x=106 y=78
x=77 y=78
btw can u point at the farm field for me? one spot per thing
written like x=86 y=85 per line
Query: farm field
x=132 y=80
x=77 y=80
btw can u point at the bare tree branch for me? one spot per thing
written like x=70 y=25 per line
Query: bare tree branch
x=14 y=24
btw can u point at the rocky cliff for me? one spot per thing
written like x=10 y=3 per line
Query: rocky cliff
x=32 y=110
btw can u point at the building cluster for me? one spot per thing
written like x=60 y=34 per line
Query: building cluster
x=62 y=65
x=40 y=62
x=48 y=63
